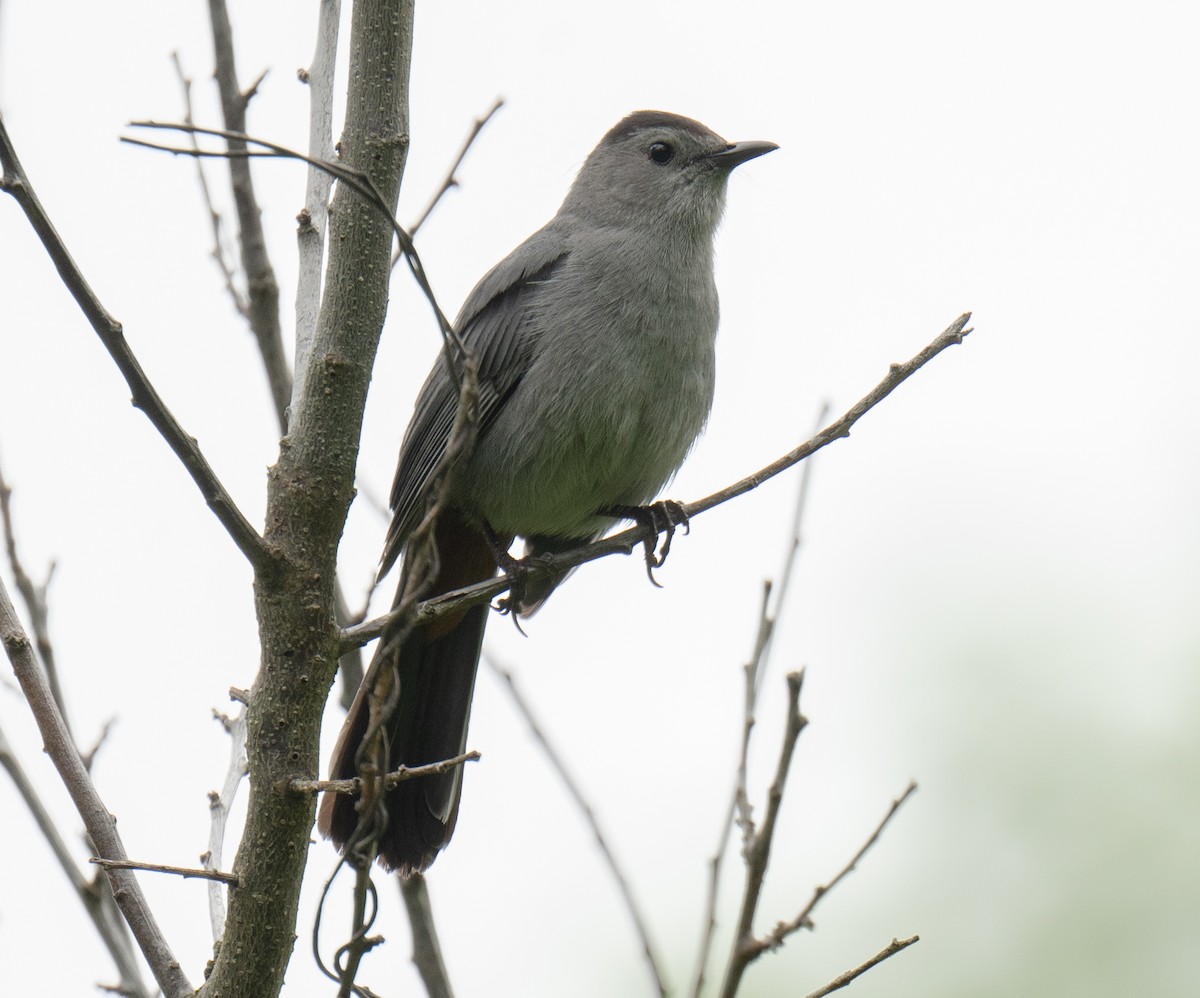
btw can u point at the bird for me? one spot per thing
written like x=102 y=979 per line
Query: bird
x=595 y=345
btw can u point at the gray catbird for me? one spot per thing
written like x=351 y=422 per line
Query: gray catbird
x=595 y=347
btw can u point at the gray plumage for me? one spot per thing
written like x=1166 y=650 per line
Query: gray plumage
x=595 y=340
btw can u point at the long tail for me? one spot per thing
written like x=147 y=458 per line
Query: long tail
x=436 y=667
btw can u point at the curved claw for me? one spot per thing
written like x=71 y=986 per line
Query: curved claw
x=651 y=565
x=662 y=517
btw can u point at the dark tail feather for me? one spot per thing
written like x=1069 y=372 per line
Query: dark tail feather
x=436 y=666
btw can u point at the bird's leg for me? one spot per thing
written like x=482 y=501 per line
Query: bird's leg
x=662 y=517
x=500 y=545
x=514 y=569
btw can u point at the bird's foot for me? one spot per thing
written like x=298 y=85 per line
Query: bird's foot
x=516 y=570
x=661 y=517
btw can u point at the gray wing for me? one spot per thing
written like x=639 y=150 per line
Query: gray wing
x=495 y=324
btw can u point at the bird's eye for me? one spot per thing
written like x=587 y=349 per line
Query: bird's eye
x=661 y=153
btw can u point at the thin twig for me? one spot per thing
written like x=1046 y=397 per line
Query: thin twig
x=27 y=790
x=350 y=662
x=354 y=785
x=34 y=597
x=754 y=671
x=427 y=950
x=228 y=273
x=758 y=845
x=360 y=182
x=89 y=757
x=787 y=574
x=314 y=217
x=187 y=872
x=839 y=982
x=262 y=289
x=742 y=812
x=641 y=927
x=774 y=939
x=96 y=896
x=897 y=374
x=99 y=822
x=219 y=806
x=626 y=541
x=145 y=397
x=451 y=179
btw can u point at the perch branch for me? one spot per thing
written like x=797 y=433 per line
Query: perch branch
x=627 y=540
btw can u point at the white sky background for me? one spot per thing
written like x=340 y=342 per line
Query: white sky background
x=998 y=592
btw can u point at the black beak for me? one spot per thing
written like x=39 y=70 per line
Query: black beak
x=740 y=152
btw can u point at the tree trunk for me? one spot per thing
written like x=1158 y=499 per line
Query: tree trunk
x=309 y=492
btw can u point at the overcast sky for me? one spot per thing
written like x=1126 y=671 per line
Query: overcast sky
x=999 y=585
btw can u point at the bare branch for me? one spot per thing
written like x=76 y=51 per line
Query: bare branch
x=754 y=670
x=187 y=872
x=96 y=902
x=96 y=897
x=261 y=286
x=350 y=663
x=214 y=216
x=627 y=540
x=758 y=846
x=953 y=335
x=34 y=598
x=314 y=218
x=45 y=823
x=452 y=174
x=100 y=824
x=740 y=805
x=839 y=982
x=762 y=650
x=16 y=183
x=427 y=950
x=774 y=939
x=89 y=757
x=361 y=183
x=219 y=806
x=640 y=925
x=354 y=785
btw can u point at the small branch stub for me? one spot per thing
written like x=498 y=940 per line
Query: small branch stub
x=187 y=872
x=354 y=784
